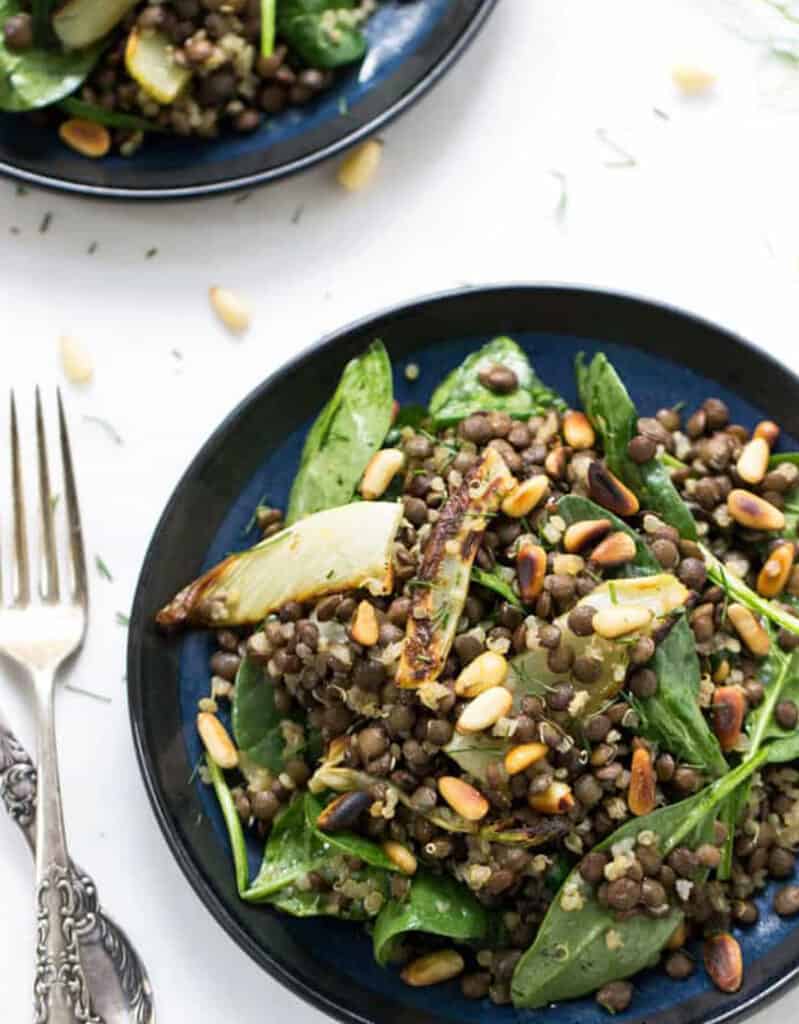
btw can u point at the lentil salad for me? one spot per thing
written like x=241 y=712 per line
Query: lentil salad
x=536 y=728
x=186 y=67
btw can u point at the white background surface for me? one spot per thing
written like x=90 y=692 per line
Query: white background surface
x=707 y=219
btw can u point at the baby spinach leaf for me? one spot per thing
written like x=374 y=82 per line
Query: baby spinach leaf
x=349 y=843
x=461 y=393
x=411 y=415
x=775 y=460
x=611 y=410
x=730 y=816
x=232 y=823
x=324 y=33
x=493 y=581
x=571 y=955
x=780 y=678
x=671 y=716
x=256 y=721
x=290 y=853
x=436 y=904
x=38 y=77
x=346 y=434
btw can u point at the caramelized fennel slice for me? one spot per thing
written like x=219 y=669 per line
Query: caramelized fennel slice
x=339 y=549
x=443 y=584
x=662 y=595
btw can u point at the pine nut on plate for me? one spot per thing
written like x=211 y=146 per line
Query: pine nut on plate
x=433 y=968
x=487 y=670
x=231 y=309
x=216 y=740
x=485 y=710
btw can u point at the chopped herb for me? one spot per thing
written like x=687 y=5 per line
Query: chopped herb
x=623 y=157
x=296 y=217
x=103 y=569
x=122 y=619
x=420 y=583
x=47 y=220
x=14 y=229
x=112 y=432
x=242 y=197
x=330 y=574
x=150 y=253
x=177 y=354
x=54 y=500
x=614 y=599
x=658 y=112
x=93 y=246
x=343 y=106
x=87 y=693
x=22 y=190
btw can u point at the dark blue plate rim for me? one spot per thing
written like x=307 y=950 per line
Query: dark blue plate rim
x=551 y=303
x=348 y=139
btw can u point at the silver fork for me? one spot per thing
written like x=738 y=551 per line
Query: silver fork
x=39 y=635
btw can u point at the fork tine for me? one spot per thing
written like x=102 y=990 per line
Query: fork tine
x=48 y=572
x=21 y=585
x=79 y=577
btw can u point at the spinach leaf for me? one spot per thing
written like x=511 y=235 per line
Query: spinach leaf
x=730 y=815
x=346 y=434
x=349 y=843
x=571 y=956
x=38 y=77
x=410 y=415
x=493 y=581
x=256 y=720
x=780 y=677
x=232 y=823
x=111 y=118
x=671 y=716
x=474 y=753
x=775 y=460
x=295 y=847
x=611 y=410
x=324 y=33
x=461 y=393
x=436 y=904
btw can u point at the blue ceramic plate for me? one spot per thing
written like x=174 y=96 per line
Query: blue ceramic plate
x=665 y=357
x=411 y=44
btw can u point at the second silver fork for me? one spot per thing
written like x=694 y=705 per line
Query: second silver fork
x=40 y=635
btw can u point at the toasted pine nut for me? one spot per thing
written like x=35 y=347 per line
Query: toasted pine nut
x=555 y=462
x=216 y=740
x=487 y=670
x=692 y=79
x=769 y=431
x=641 y=794
x=577 y=430
x=463 y=798
x=336 y=749
x=380 y=471
x=76 y=361
x=485 y=710
x=616 y=549
x=620 y=619
x=359 y=167
x=231 y=309
x=525 y=496
x=724 y=962
x=86 y=137
x=679 y=936
x=773 y=577
x=567 y=565
x=608 y=491
x=729 y=709
x=753 y=460
x=749 y=630
x=556 y=799
x=531 y=568
x=443 y=965
x=753 y=511
x=580 y=535
x=400 y=856
x=520 y=758
x=365 y=627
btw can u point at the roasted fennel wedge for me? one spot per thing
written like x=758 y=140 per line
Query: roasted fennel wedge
x=660 y=595
x=440 y=591
x=339 y=549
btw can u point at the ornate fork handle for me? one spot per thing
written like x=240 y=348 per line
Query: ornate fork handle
x=18 y=780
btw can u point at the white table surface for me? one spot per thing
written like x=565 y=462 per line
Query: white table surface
x=706 y=219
